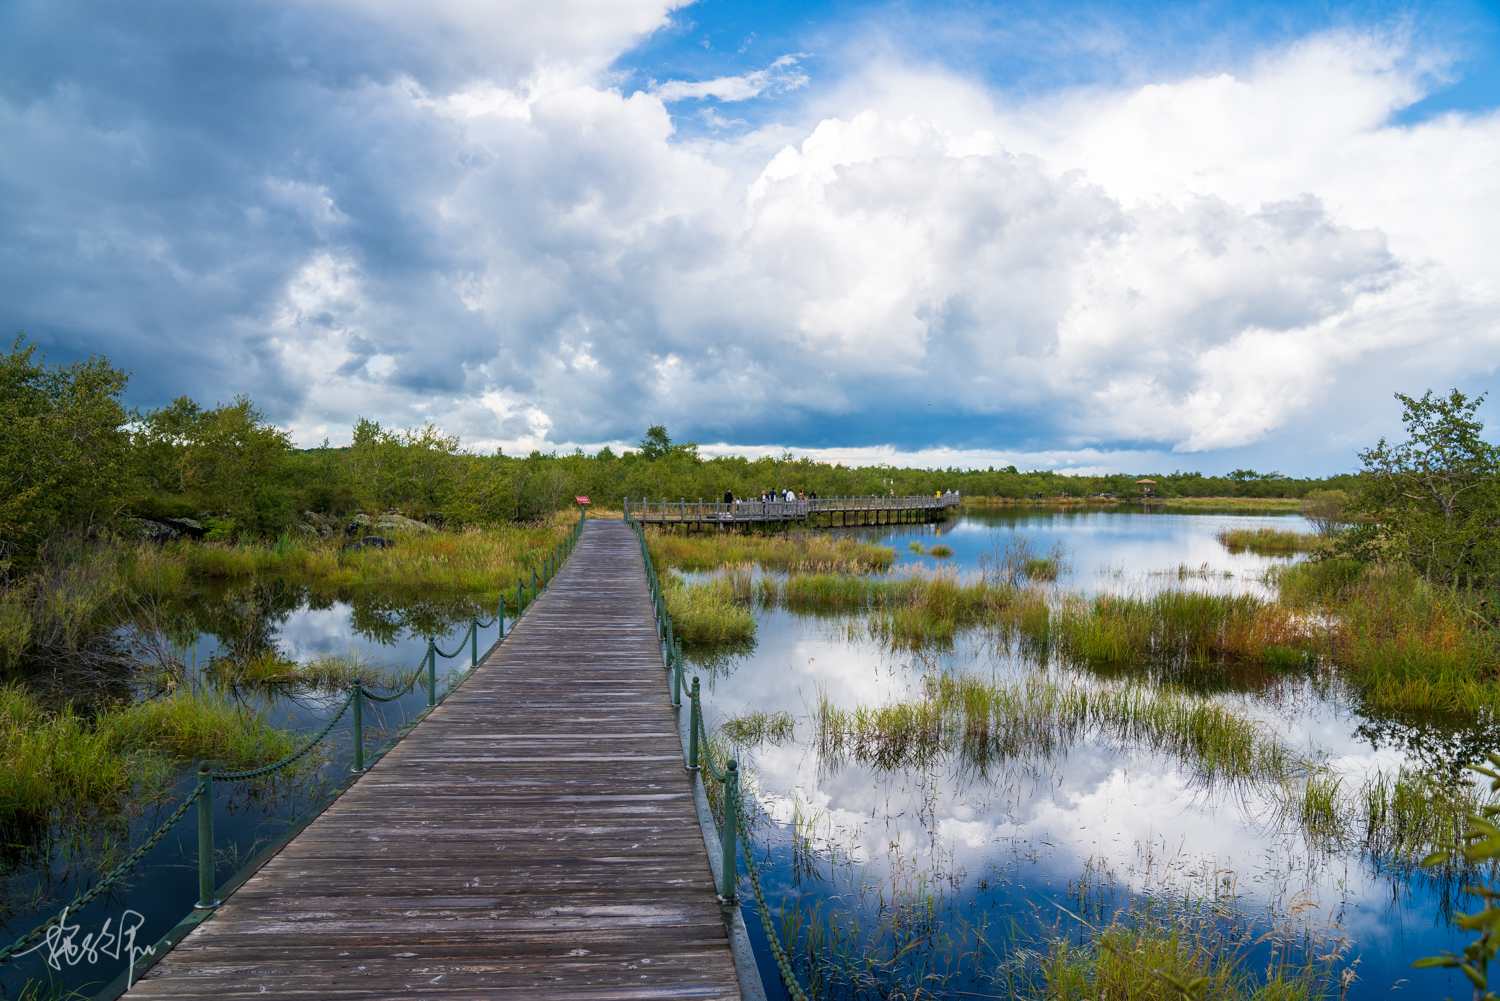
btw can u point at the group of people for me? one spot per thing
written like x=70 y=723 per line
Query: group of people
x=774 y=495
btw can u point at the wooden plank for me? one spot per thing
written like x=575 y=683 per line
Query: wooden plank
x=534 y=837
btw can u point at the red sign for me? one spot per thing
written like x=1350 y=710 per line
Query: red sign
x=582 y=500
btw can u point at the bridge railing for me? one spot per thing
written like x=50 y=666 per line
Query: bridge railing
x=699 y=759
x=203 y=793
x=754 y=509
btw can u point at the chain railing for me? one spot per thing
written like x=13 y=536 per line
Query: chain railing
x=203 y=793
x=732 y=829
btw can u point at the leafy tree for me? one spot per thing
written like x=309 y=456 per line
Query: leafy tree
x=227 y=458
x=1432 y=501
x=656 y=444
x=64 y=448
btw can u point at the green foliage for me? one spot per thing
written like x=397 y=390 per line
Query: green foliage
x=64 y=451
x=227 y=456
x=1432 y=501
x=1479 y=845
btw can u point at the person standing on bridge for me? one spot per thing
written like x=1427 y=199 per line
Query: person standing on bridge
x=728 y=496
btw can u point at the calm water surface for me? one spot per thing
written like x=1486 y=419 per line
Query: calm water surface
x=968 y=868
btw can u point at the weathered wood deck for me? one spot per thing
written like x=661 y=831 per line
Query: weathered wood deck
x=534 y=837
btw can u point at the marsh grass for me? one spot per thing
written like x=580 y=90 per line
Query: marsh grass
x=1175 y=625
x=61 y=757
x=1125 y=958
x=795 y=553
x=941 y=551
x=1402 y=643
x=481 y=560
x=1269 y=541
x=711 y=611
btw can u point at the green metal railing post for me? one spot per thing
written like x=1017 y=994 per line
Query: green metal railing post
x=206 y=897
x=534 y=591
x=500 y=618
x=669 y=641
x=693 y=721
x=431 y=673
x=677 y=676
x=520 y=596
x=473 y=641
x=731 y=876
x=359 y=727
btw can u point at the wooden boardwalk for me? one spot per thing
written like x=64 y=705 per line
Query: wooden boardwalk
x=534 y=837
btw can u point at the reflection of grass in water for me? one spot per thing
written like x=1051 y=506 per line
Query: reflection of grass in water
x=325 y=670
x=980 y=723
x=1268 y=541
x=758 y=726
x=914 y=934
x=798 y=553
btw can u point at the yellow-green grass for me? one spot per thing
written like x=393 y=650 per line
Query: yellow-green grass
x=1137 y=956
x=53 y=757
x=1405 y=644
x=472 y=559
x=1268 y=541
x=710 y=611
x=796 y=553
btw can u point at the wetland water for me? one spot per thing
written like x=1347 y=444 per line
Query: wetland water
x=43 y=869
x=952 y=871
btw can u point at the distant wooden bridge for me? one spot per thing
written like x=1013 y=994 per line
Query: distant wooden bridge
x=840 y=511
x=534 y=837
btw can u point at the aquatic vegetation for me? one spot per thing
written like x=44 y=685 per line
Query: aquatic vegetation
x=1174 y=624
x=1401 y=642
x=483 y=560
x=1268 y=541
x=942 y=552
x=981 y=723
x=57 y=757
x=710 y=611
x=1014 y=561
x=1139 y=954
x=789 y=553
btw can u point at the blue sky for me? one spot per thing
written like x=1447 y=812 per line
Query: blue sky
x=1086 y=236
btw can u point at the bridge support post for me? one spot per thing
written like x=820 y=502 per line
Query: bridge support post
x=359 y=727
x=693 y=723
x=473 y=641
x=206 y=899
x=431 y=672
x=729 y=873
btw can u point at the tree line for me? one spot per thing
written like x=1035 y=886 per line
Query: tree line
x=74 y=459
